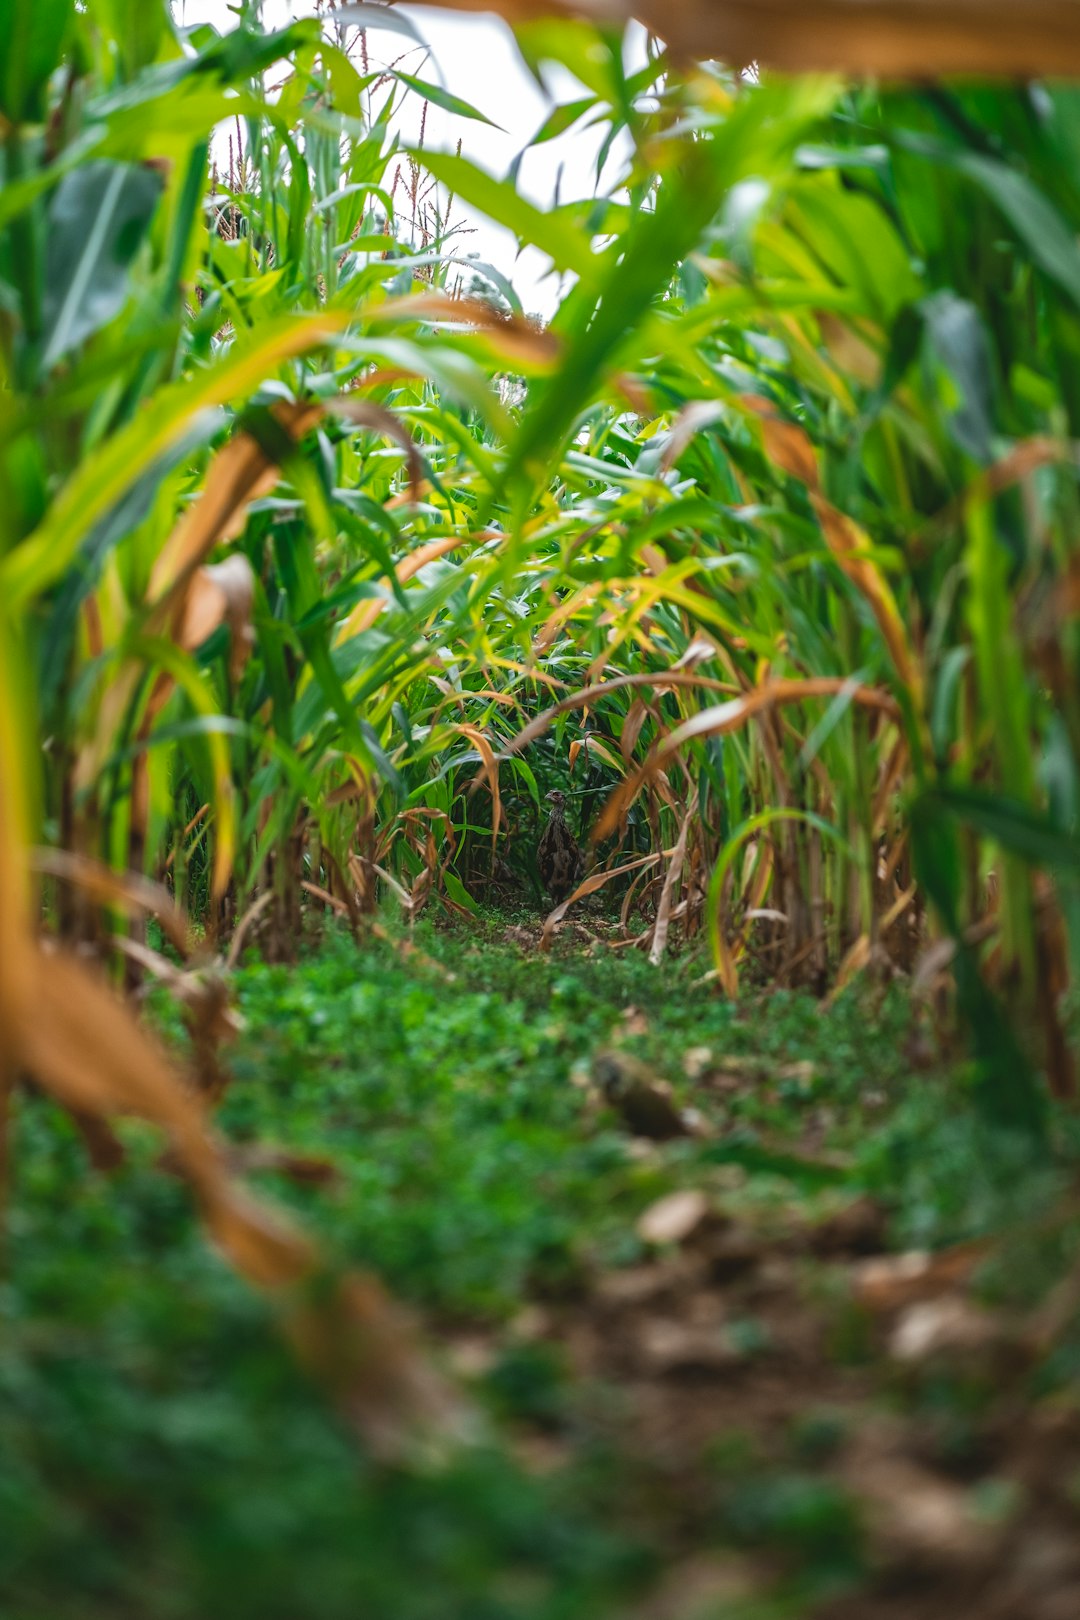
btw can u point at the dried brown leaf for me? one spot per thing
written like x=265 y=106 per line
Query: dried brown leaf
x=672 y=1219
x=515 y=336
x=850 y=349
x=951 y=1325
x=671 y=876
x=590 y=694
x=240 y=472
x=719 y=719
x=309 y=1169
x=856 y=959
x=895 y=1280
x=790 y=448
x=913 y=1516
x=368 y=413
x=589 y=886
x=128 y=892
x=698 y=414
x=913 y=39
x=222 y=593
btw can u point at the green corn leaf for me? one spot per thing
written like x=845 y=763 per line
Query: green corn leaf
x=444 y=99
x=1011 y=824
x=33 y=39
x=97 y=218
x=567 y=246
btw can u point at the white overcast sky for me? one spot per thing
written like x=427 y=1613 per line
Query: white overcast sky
x=475 y=57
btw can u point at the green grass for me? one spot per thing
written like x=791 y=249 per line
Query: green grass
x=160 y=1456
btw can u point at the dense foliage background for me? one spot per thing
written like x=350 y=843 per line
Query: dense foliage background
x=322 y=560
x=294 y=547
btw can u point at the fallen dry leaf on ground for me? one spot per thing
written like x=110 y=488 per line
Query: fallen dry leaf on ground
x=673 y=1218
x=888 y=1282
x=951 y=1325
x=916 y=1519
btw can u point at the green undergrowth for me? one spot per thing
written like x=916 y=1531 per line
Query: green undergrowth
x=470 y=1177
x=160 y=1456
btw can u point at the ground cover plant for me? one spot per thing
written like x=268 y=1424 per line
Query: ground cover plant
x=323 y=563
x=723 y=1418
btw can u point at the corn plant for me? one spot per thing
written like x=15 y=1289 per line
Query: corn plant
x=314 y=574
